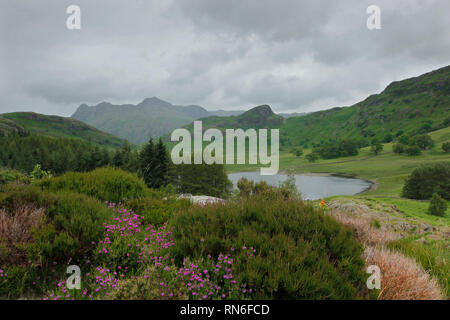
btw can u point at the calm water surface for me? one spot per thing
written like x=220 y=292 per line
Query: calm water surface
x=312 y=187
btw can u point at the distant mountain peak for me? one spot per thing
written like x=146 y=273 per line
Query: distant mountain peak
x=263 y=110
x=154 y=101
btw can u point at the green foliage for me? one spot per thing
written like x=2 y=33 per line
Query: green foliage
x=388 y=138
x=413 y=151
x=438 y=206
x=57 y=155
x=126 y=158
x=298 y=151
x=61 y=127
x=106 y=184
x=376 y=147
x=337 y=149
x=157 y=211
x=432 y=255
x=398 y=148
x=202 y=179
x=312 y=157
x=9 y=175
x=38 y=173
x=446 y=147
x=301 y=253
x=154 y=164
x=286 y=190
x=72 y=221
x=423 y=141
x=413 y=146
x=428 y=179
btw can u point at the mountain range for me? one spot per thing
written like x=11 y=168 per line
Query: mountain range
x=152 y=117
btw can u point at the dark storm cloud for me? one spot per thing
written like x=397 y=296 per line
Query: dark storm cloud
x=294 y=55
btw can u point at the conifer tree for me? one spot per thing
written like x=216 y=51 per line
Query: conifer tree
x=147 y=163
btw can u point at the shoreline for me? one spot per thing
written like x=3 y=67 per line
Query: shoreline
x=373 y=185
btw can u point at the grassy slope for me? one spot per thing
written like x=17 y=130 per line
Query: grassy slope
x=61 y=127
x=407 y=105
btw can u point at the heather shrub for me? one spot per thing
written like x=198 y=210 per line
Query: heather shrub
x=299 y=252
x=157 y=211
x=106 y=184
x=71 y=221
x=8 y=175
x=15 y=233
x=16 y=281
x=428 y=179
x=148 y=286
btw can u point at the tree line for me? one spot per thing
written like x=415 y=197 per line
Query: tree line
x=152 y=162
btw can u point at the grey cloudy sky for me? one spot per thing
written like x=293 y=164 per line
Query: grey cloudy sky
x=231 y=54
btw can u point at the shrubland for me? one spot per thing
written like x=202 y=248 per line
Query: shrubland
x=153 y=246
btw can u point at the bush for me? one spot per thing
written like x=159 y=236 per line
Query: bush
x=428 y=179
x=438 y=206
x=15 y=233
x=71 y=222
x=157 y=211
x=446 y=147
x=301 y=253
x=286 y=190
x=423 y=141
x=298 y=151
x=413 y=151
x=312 y=157
x=398 y=148
x=38 y=173
x=8 y=175
x=106 y=184
x=338 y=149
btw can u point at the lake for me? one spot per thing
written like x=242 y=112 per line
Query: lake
x=312 y=187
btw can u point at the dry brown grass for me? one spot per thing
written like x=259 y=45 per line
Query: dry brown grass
x=401 y=277
x=15 y=232
x=364 y=229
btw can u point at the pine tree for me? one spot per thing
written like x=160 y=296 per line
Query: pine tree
x=161 y=168
x=147 y=163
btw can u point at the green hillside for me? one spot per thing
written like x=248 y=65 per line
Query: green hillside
x=415 y=105
x=55 y=126
x=412 y=106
